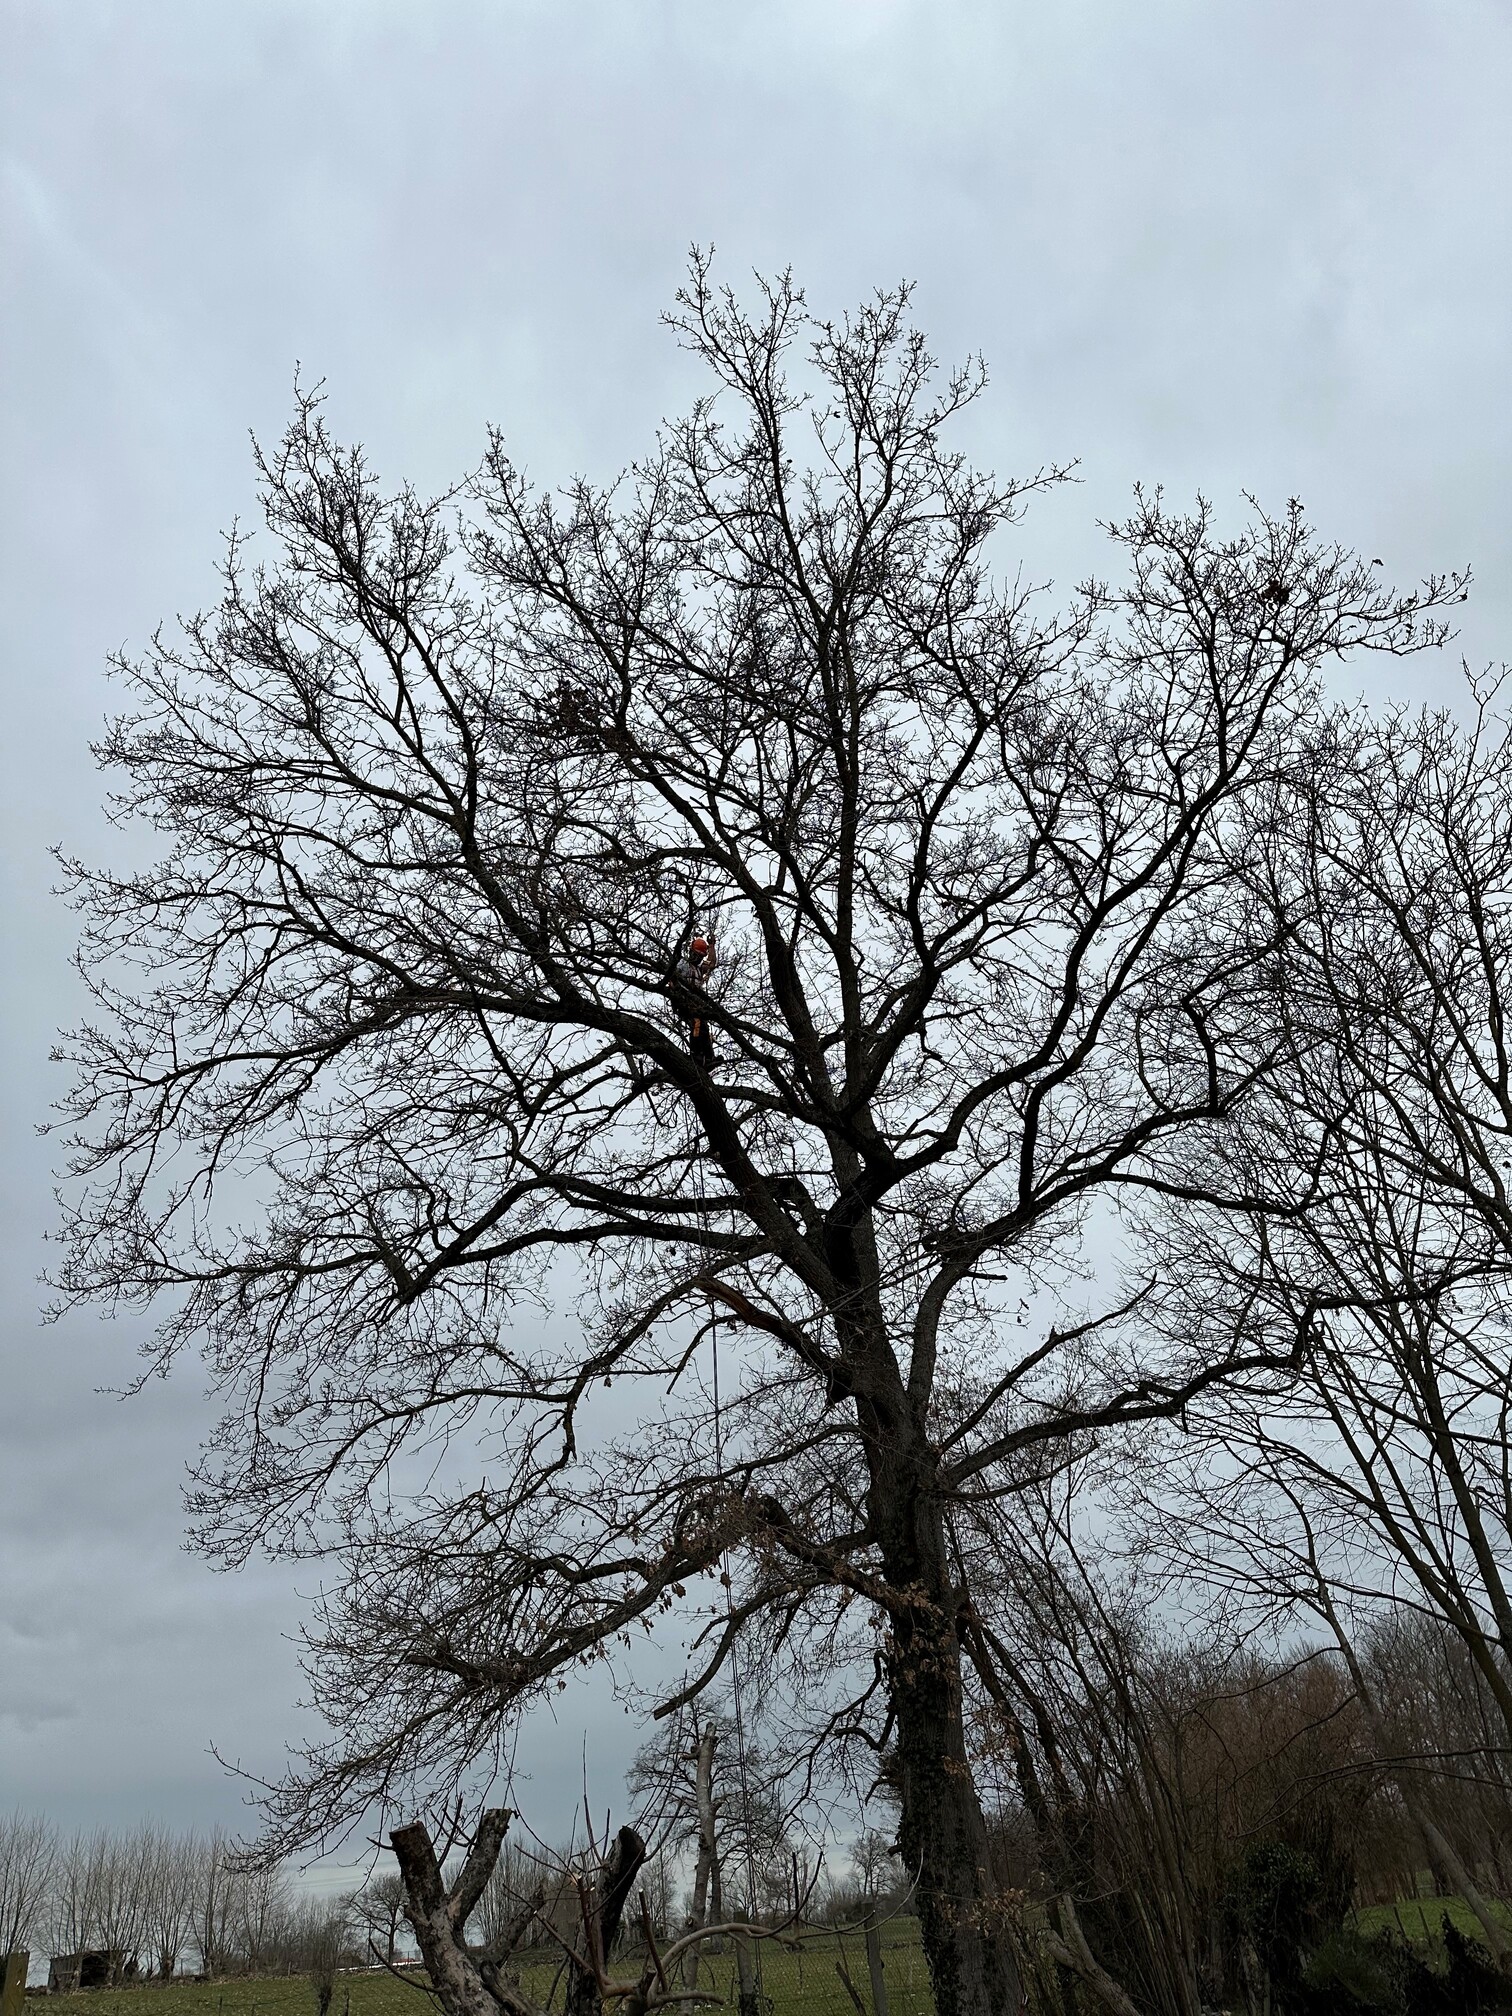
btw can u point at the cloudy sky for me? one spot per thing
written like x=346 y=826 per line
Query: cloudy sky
x=1227 y=244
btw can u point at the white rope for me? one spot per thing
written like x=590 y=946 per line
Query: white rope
x=728 y=1580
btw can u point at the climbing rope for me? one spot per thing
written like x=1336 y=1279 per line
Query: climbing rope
x=729 y=1588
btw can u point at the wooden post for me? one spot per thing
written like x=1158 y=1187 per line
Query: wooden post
x=13 y=1983
x=874 y=1964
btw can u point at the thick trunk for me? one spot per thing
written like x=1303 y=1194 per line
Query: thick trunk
x=439 y=1932
x=604 y=1904
x=943 y=1834
x=963 y=1915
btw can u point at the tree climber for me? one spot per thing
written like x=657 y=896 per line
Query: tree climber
x=692 y=976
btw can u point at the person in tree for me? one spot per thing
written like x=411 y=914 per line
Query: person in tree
x=693 y=971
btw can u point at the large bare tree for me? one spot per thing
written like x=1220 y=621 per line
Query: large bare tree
x=393 y=1044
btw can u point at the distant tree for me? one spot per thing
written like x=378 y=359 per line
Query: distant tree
x=874 y=1863
x=377 y=1910
x=171 y=1862
x=528 y=1897
x=262 y=1906
x=745 y=1855
x=122 y=1895
x=657 y=1885
x=28 y=1851
x=71 y=1906
x=215 y=1894
x=324 y=1945
x=407 y=1030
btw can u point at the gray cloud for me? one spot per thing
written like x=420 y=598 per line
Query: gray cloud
x=1263 y=245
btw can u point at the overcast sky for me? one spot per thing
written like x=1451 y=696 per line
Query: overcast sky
x=1243 y=244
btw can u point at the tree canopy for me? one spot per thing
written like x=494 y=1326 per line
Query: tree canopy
x=389 y=1102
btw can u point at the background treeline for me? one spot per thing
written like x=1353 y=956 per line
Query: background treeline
x=161 y=1903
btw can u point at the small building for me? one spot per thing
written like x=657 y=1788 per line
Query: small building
x=93 y=1967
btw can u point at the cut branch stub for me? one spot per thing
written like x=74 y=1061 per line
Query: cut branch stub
x=469 y=1983
x=437 y=1920
x=604 y=1901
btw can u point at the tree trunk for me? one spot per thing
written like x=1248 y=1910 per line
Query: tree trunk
x=467 y=1983
x=747 y=2002
x=604 y=1903
x=1459 y=1880
x=707 y=1871
x=963 y=1920
x=1071 y=1951
x=439 y=1932
x=943 y=1834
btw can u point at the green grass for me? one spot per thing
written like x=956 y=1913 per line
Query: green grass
x=292 y=1995
x=805 y=1982
x=799 y=1983
x=1420 y=1919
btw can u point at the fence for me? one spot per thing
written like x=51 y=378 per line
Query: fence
x=815 y=1971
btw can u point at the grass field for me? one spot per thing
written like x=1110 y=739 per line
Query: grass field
x=1420 y=1919
x=799 y=1983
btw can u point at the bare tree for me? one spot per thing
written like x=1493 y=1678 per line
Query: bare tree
x=262 y=1909
x=657 y=1885
x=215 y=1892
x=1379 y=1477
x=445 y=811
x=480 y=1981
x=71 y=1913
x=98 y=1898
x=171 y=1863
x=1151 y=1750
x=121 y=1892
x=322 y=1944
x=377 y=1909
x=672 y=1781
x=705 y=1784
x=874 y=1863
x=708 y=1786
x=28 y=1850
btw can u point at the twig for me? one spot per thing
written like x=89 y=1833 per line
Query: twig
x=421 y=1987
x=849 y=1985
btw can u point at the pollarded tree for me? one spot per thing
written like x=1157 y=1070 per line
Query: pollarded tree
x=405 y=1033
x=28 y=1852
